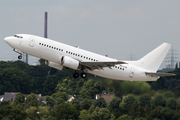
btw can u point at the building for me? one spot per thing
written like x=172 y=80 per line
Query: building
x=12 y=95
x=107 y=97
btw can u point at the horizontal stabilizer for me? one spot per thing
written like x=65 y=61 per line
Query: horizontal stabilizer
x=160 y=74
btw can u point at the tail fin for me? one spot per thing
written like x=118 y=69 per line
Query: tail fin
x=153 y=60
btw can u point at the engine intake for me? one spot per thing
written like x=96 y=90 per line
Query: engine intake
x=69 y=62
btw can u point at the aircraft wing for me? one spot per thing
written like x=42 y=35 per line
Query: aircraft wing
x=100 y=65
x=160 y=74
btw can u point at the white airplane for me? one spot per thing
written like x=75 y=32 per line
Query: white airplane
x=60 y=56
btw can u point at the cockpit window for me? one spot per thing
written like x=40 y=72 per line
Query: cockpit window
x=18 y=36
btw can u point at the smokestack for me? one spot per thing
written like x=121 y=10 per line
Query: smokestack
x=26 y=58
x=45 y=25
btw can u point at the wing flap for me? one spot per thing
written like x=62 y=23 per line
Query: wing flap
x=100 y=65
x=160 y=74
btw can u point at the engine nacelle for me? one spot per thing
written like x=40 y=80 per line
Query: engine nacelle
x=54 y=65
x=69 y=62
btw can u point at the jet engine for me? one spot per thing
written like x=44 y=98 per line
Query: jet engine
x=54 y=65
x=69 y=62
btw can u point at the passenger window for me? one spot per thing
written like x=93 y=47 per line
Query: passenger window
x=39 y=43
x=47 y=45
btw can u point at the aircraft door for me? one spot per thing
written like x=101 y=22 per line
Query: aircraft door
x=32 y=41
x=131 y=74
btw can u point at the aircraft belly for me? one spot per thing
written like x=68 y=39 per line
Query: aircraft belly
x=110 y=73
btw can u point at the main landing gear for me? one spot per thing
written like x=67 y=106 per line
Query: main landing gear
x=76 y=75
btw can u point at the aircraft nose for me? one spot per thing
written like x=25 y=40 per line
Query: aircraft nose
x=7 y=39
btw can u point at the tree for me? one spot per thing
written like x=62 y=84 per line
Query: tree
x=158 y=100
x=171 y=103
x=178 y=104
x=32 y=112
x=127 y=101
x=164 y=113
x=19 y=99
x=76 y=103
x=135 y=87
x=88 y=90
x=84 y=115
x=141 y=118
x=144 y=99
x=66 y=111
x=49 y=84
x=13 y=111
x=31 y=100
x=59 y=101
x=100 y=102
x=62 y=95
x=43 y=111
x=50 y=101
x=14 y=79
x=125 y=117
x=85 y=104
x=177 y=91
x=102 y=114
x=98 y=87
x=168 y=94
x=114 y=103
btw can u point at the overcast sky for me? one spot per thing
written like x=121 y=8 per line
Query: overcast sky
x=117 y=28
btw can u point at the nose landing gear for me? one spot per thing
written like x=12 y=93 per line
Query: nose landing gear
x=18 y=51
x=20 y=56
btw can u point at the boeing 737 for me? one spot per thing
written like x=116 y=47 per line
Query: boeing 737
x=61 y=56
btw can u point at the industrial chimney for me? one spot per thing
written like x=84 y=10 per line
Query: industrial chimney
x=45 y=25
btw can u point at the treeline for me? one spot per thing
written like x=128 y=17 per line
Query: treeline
x=41 y=79
x=143 y=101
x=163 y=106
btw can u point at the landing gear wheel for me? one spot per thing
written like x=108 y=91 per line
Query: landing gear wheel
x=75 y=75
x=20 y=57
x=83 y=75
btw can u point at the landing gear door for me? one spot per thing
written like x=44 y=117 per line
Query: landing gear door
x=131 y=74
x=32 y=41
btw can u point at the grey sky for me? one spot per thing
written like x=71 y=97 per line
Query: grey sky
x=113 y=27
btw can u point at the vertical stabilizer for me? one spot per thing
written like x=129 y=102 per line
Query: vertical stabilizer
x=153 y=60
